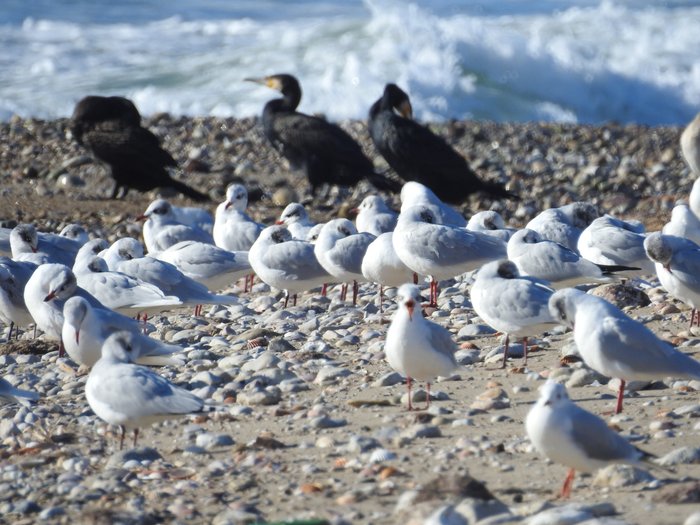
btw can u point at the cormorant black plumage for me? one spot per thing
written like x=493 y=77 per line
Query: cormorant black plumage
x=417 y=154
x=110 y=127
x=323 y=150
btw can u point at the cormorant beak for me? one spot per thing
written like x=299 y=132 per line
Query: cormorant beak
x=409 y=306
x=270 y=82
x=406 y=110
x=141 y=218
x=52 y=295
x=262 y=80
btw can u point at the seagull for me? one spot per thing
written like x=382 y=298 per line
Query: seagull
x=122 y=293
x=572 y=436
x=75 y=232
x=683 y=223
x=490 y=222
x=416 y=347
x=13 y=278
x=234 y=230
x=694 y=198
x=564 y=224
x=123 y=393
x=382 y=265
x=513 y=304
x=194 y=217
x=207 y=264
x=374 y=216
x=439 y=250
x=24 y=244
x=340 y=249
x=16 y=395
x=677 y=264
x=612 y=241
x=86 y=328
x=62 y=248
x=613 y=344
x=555 y=263
x=126 y=256
x=87 y=253
x=162 y=229
x=45 y=294
x=690 y=145
x=414 y=193
x=314 y=232
x=285 y=263
x=296 y=219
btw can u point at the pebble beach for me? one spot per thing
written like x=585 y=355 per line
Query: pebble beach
x=310 y=423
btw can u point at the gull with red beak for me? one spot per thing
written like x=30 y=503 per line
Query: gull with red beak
x=416 y=347
x=677 y=264
x=296 y=219
x=234 y=230
x=163 y=230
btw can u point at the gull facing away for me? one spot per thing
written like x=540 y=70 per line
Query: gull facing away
x=286 y=263
x=612 y=241
x=441 y=251
x=162 y=229
x=511 y=303
x=613 y=344
x=684 y=223
x=12 y=394
x=374 y=216
x=123 y=393
x=567 y=434
x=296 y=219
x=416 y=347
x=85 y=329
x=677 y=263
x=340 y=249
x=564 y=224
x=382 y=265
x=555 y=263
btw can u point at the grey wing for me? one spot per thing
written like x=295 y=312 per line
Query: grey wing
x=294 y=258
x=139 y=392
x=349 y=251
x=618 y=246
x=686 y=268
x=598 y=441
x=441 y=340
x=524 y=299
x=452 y=246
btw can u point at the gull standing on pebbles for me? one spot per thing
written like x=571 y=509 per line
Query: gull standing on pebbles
x=374 y=216
x=85 y=329
x=510 y=303
x=286 y=263
x=340 y=249
x=162 y=229
x=296 y=219
x=613 y=344
x=564 y=224
x=416 y=347
x=382 y=265
x=12 y=394
x=612 y=241
x=677 y=263
x=572 y=436
x=554 y=262
x=123 y=393
x=439 y=250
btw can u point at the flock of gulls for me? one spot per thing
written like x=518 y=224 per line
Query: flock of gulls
x=95 y=298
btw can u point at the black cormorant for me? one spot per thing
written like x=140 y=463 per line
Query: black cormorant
x=110 y=127
x=323 y=150
x=418 y=154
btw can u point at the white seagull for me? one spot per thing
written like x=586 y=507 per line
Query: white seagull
x=381 y=265
x=567 y=434
x=439 y=250
x=416 y=347
x=123 y=393
x=414 y=194
x=13 y=278
x=490 y=222
x=162 y=229
x=513 y=304
x=234 y=230
x=613 y=344
x=374 y=216
x=286 y=263
x=16 y=395
x=690 y=145
x=684 y=223
x=564 y=224
x=340 y=249
x=296 y=219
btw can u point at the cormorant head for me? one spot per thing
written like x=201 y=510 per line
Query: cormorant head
x=283 y=82
x=397 y=99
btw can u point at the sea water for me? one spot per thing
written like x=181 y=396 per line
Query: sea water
x=503 y=60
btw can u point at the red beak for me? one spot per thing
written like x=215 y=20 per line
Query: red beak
x=228 y=205
x=52 y=295
x=409 y=306
x=34 y=250
x=142 y=217
x=668 y=267
x=279 y=222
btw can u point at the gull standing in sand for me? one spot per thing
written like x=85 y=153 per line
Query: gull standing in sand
x=513 y=304
x=416 y=347
x=572 y=436
x=439 y=250
x=613 y=344
x=123 y=393
x=286 y=263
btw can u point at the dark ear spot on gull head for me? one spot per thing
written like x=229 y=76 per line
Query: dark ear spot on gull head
x=507 y=270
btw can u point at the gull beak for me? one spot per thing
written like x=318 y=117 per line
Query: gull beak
x=228 y=205
x=52 y=295
x=409 y=306
x=406 y=110
x=141 y=218
x=667 y=267
x=279 y=222
x=34 y=250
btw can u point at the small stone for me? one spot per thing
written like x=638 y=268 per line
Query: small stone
x=388 y=379
x=330 y=374
x=685 y=492
x=210 y=440
x=136 y=454
x=681 y=456
x=621 y=295
x=421 y=431
x=617 y=476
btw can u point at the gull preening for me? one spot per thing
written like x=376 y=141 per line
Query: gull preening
x=131 y=396
x=416 y=347
x=567 y=434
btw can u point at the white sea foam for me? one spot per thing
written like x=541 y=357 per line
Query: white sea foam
x=625 y=61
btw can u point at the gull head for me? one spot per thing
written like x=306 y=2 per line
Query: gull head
x=659 y=249
x=553 y=394
x=294 y=212
x=58 y=281
x=236 y=197
x=506 y=269
x=562 y=305
x=408 y=296
x=276 y=234
x=374 y=203
x=160 y=211
x=121 y=347
x=75 y=232
x=128 y=248
x=23 y=239
x=74 y=312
